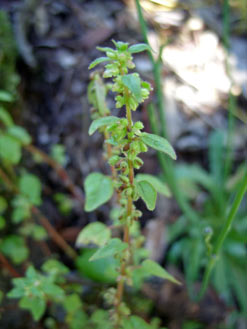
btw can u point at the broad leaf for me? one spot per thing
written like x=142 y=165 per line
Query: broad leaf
x=14 y=246
x=35 y=305
x=101 y=122
x=155 y=269
x=98 y=189
x=158 y=143
x=159 y=186
x=96 y=233
x=135 y=322
x=139 y=48
x=30 y=186
x=6 y=96
x=133 y=83
x=98 y=61
x=20 y=134
x=10 y=149
x=101 y=270
x=113 y=247
x=5 y=117
x=147 y=193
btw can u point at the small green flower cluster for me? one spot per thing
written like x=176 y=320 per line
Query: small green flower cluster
x=130 y=89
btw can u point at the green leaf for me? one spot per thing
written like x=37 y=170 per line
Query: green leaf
x=101 y=122
x=98 y=61
x=98 y=189
x=20 y=134
x=135 y=322
x=72 y=303
x=21 y=209
x=133 y=83
x=96 y=233
x=147 y=193
x=155 y=269
x=101 y=270
x=105 y=49
x=6 y=96
x=139 y=48
x=35 y=305
x=5 y=117
x=54 y=267
x=159 y=143
x=10 y=149
x=30 y=186
x=113 y=247
x=159 y=186
x=58 y=154
x=53 y=290
x=14 y=247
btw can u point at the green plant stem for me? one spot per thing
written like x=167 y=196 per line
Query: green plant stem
x=231 y=99
x=126 y=239
x=225 y=230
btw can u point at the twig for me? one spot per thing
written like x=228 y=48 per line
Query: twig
x=61 y=172
x=54 y=234
x=9 y=267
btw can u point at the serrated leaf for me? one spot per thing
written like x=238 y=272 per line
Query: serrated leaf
x=30 y=186
x=6 y=96
x=98 y=61
x=101 y=122
x=139 y=48
x=147 y=193
x=133 y=83
x=10 y=149
x=20 y=134
x=113 y=247
x=35 y=305
x=159 y=186
x=159 y=143
x=155 y=269
x=5 y=117
x=96 y=233
x=98 y=189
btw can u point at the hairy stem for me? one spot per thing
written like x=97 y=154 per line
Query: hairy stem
x=126 y=238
